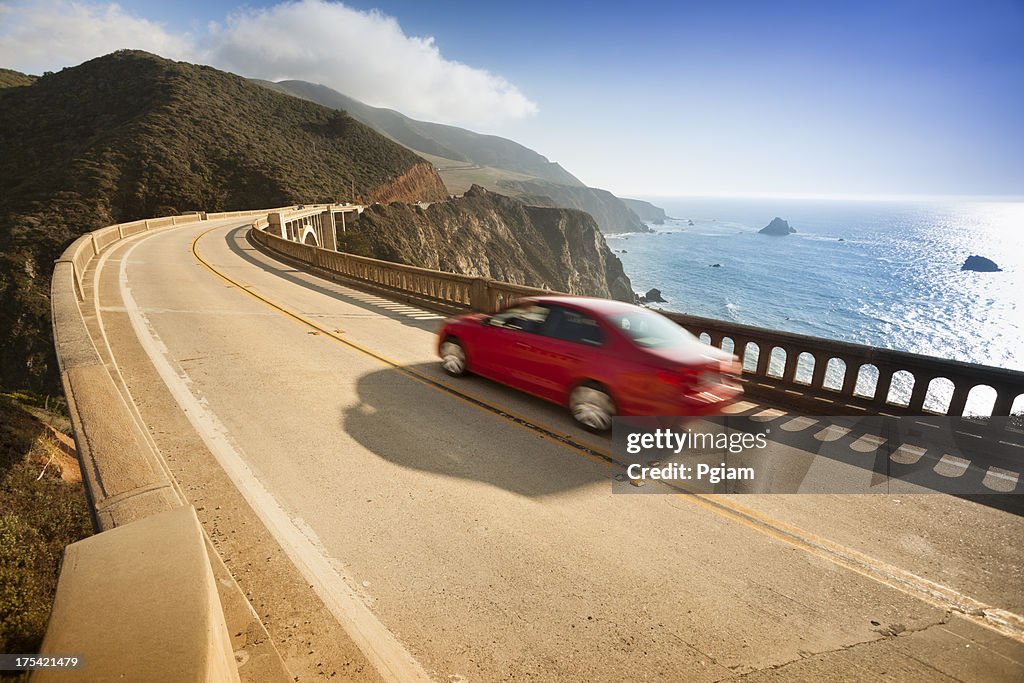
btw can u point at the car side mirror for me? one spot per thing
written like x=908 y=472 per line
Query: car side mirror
x=486 y=320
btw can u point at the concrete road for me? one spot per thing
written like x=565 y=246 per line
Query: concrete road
x=385 y=527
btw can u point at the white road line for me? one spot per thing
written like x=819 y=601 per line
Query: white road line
x=381 y=647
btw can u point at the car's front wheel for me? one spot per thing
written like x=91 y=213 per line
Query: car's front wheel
x=453 y=357
x=592 y=407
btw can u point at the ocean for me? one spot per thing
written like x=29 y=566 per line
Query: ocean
x=883 y=273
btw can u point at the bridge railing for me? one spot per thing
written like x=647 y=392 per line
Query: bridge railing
x=450 y=292
x=820 y=375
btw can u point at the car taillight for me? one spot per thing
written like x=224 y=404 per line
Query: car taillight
x=683 y=377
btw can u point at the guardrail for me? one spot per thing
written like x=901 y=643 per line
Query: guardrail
x=823 y=373
x=113 y=605
x=820 y=375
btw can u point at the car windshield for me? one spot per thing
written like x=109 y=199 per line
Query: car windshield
x=651 y=330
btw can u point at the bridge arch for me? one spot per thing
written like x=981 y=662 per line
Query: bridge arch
x=309 y=236
x=804 y=368
x=901 y=388
x=937 y=398
x=867 y=381
x=835 y=373
x=981 y=401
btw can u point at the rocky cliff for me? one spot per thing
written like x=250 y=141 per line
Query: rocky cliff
x=419 y=183
x=489 y=235
x=648 y=213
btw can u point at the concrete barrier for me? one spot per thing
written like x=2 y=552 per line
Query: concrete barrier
x=137 y=600
x=147 y=593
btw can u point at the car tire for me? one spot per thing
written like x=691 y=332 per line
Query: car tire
x=453 y=357
x=592 y=407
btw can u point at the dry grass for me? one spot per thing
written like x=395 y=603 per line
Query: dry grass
x=40 y=513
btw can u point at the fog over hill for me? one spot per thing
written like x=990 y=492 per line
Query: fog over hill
x=464 y=158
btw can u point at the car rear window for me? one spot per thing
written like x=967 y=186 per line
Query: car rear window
x=651 y=330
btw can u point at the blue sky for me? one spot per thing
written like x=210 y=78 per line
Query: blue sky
x=865 y=98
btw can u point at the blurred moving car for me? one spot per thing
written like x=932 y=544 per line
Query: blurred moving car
x=600 y=358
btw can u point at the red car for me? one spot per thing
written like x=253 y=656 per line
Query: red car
x=600 y=358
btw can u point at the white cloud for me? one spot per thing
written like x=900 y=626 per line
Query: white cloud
x=49 y=35
x=366 y=55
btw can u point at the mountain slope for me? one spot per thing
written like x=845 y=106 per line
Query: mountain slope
x=464 y=158
x=131 y=135
x=9 y=78
x=450 y=142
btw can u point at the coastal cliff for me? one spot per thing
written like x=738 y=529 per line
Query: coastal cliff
x=611 y=215
x=489 y=235
x=648 y=213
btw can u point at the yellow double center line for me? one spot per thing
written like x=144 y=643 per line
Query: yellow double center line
x=1006 y=623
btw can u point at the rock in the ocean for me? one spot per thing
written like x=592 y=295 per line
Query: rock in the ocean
x=716 y=265
x=980 y=264
x=689 y=221
x=652 y=296
x=777 y=227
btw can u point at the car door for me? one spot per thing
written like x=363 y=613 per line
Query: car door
x=569 y=346
x=505 y=339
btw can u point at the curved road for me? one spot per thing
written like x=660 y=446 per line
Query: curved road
x=385 y=527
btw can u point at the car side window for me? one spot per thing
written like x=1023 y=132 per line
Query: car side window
x=527 y=318
x=570 y=325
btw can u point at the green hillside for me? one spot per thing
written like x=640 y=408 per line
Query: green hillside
x=131 y=135
x=9 y=78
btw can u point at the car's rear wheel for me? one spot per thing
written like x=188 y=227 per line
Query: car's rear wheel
x=592 y=407
x=453 y=357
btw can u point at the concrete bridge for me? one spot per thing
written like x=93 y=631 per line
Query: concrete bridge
x=287 y=485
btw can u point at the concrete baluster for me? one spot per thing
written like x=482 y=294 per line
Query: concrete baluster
x=792 y=360
x=818 y=374
x=1005 y=396
x=883 y=385
x=961 y=388
x=917 y=397
x=764 y=356
x=851 y=373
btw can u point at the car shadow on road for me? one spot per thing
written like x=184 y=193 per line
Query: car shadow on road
x=240 y=246
x=419 y=426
